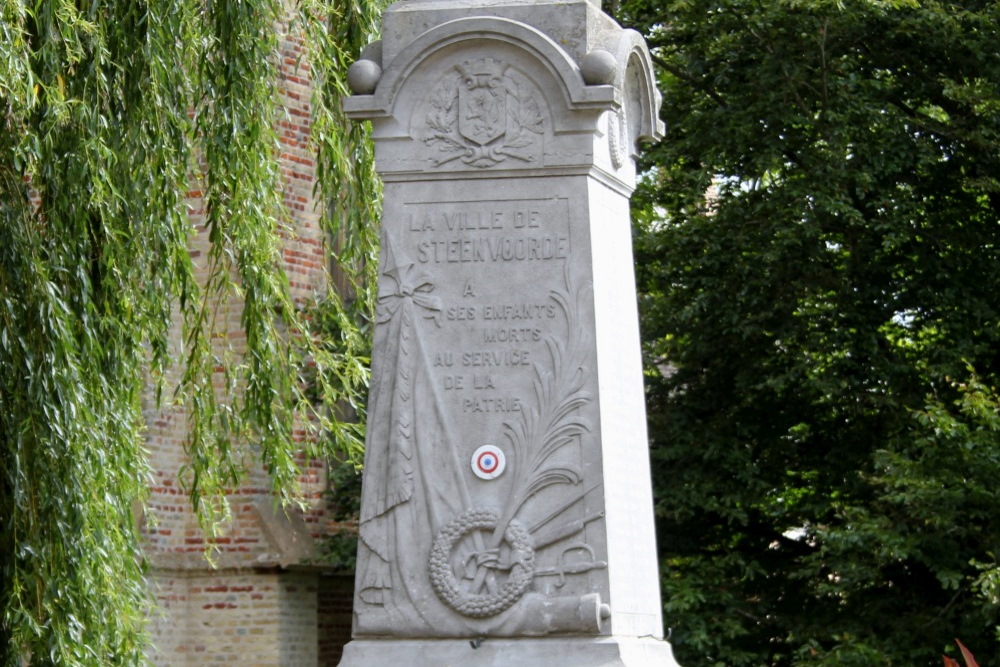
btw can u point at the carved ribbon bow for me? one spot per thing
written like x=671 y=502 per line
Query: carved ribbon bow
x=407 y=289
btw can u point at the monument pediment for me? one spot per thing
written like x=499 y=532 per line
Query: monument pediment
x=529 y=104
x=487 y=33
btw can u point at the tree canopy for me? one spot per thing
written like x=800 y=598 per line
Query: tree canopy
x=112 y=112
x=818 y=238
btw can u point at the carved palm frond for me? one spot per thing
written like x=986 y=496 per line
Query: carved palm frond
x=554 y=422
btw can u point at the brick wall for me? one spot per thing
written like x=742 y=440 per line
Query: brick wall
x=256 y=606
x=250 y=618
x=334 y=615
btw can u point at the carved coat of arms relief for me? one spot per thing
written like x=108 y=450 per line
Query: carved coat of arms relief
x=483 y=113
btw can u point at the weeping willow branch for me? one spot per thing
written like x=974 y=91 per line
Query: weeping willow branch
x=109 y=110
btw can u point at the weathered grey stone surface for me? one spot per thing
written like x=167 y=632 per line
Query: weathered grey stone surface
x=506 y=493
x=486 y=652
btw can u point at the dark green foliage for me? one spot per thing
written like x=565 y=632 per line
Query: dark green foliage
x=824 y=328
x=339 y=550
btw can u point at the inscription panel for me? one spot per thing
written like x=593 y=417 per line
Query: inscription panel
x=495 y=264
x=484 y=413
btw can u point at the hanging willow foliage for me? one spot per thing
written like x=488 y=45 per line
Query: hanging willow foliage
x=109 y=109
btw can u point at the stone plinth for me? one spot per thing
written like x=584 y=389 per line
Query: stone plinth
x=506 y=511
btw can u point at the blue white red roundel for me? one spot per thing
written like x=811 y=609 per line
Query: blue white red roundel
x=488 y=462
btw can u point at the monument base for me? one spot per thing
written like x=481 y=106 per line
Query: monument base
x=554 y=652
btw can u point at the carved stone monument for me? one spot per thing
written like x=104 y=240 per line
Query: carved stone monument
x=506 y=512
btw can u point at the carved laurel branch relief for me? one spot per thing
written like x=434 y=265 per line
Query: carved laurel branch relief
x=617 y=136
x=483 y=113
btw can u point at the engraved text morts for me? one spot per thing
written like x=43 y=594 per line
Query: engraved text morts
x=506 y=495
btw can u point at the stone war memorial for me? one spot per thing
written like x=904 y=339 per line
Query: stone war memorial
x=506 y=514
